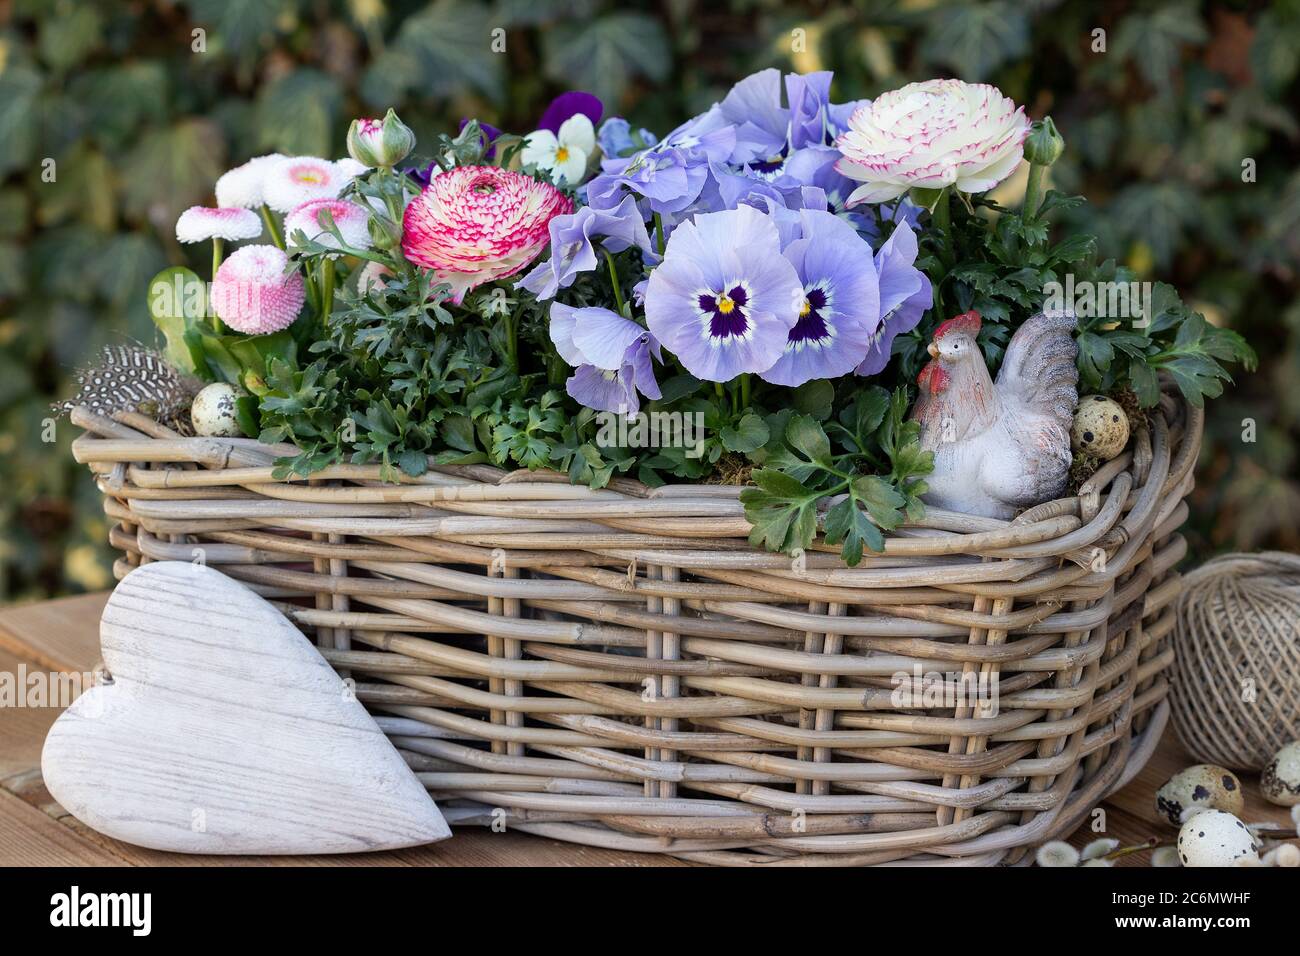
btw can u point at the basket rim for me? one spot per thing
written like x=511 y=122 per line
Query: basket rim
x=1054 y=528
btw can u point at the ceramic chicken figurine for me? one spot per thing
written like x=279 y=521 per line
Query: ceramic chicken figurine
x=1005 y=446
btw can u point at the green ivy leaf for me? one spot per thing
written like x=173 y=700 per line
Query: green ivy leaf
x=605 y=54
x=442 y=51
x=975 y=40
x=297 y=113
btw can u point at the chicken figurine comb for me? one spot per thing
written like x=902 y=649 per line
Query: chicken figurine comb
x=1003 y=446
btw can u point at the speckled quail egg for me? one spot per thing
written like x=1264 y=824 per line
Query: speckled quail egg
x=1280 y=781
x=213 y=411
x=1203 y=785
x=1100 y=427
x=1215 y=838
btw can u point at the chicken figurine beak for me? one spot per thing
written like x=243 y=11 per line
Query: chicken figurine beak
x=933 y=349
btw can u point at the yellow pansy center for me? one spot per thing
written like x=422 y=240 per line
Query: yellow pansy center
x=561 y=155
x=725 y=304
x=805 y=308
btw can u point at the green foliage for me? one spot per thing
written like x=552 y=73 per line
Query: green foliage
x=138 y=125
x=874 y=467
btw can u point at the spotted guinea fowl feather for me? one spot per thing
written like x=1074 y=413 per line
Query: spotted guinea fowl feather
x=132 y=378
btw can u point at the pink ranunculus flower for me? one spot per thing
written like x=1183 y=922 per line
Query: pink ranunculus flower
x=474 y=224
x=253 y=293
x=931 y=135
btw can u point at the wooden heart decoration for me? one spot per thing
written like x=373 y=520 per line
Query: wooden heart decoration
x=224 y=731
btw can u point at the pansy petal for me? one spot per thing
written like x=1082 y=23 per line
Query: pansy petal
x=603 y=337
x=539 y=149
x=602 y=389
x=577 y=132
x=570 y=104
x=570 y=169
x=562 y=324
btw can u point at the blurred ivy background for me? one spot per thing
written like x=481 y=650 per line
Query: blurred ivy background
x=115 y=115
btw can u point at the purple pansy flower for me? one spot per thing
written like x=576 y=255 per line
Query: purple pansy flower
x=724 y=299
x=571 y=104
x=841 y=302
x=572 y=251
x=612 y=356
x=905 y=294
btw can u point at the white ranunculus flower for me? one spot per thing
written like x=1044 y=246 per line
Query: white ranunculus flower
x=931 y=135
x=564 y=155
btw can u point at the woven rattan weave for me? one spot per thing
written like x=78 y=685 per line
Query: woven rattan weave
x=621 y=668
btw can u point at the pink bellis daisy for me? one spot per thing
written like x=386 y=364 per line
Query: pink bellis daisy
x=242 y=186
x=252 y=292
x=350 y=168
x=200 y=223
x=349 y=218
x=474 y=224
x=724 y=299
x=298 y=179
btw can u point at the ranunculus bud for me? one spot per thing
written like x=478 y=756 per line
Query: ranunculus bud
x=384 y=142
x=1044 y=145
x=384 y=233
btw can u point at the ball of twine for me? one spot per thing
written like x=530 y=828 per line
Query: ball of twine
x=1236 y=676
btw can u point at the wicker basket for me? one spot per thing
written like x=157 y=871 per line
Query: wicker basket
x=621 y=668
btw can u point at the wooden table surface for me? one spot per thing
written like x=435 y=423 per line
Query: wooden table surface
x=35 y=831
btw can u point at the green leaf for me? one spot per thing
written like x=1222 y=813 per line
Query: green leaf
x=20 y=89
x=975 y=40
x=173 y=168
x=781 y=510
x=443 y=51
x=883 y=502
x=414 y=463
x=67 y=39
x=846 y=523
x=241 y=26
x=1154 y=39
x=297 y=113
x=176 y=303
x=750 y=434
x=806 y=436
x=1145 y=384
x=815 y=398
x=122 y=266
x=605 y=54
x=1095 y=356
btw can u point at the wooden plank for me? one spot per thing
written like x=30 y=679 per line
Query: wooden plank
x=61 y=634
x=22 y=728
x=477 y=846
x=29 y=837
